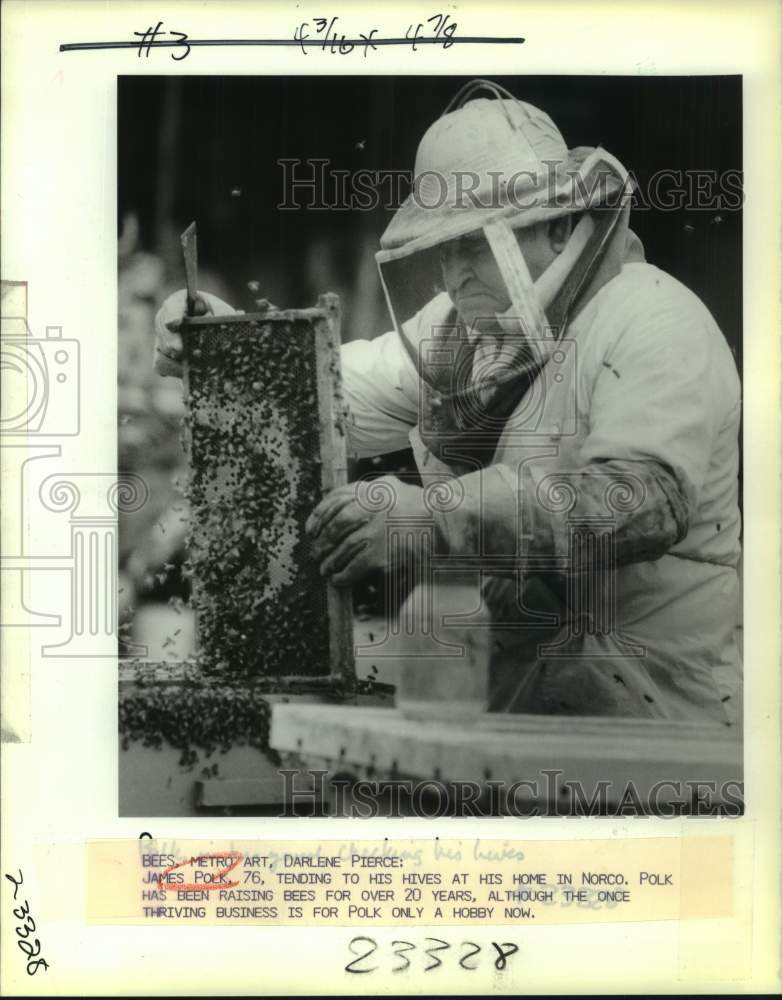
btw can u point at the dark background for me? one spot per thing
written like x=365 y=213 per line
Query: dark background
x=206 y=148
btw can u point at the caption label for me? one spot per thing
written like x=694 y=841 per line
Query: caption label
x=439 y=882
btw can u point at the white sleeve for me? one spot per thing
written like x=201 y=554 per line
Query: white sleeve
x=380 y=386
x=662 y=391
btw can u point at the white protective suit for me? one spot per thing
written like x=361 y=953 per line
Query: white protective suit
x=645 y=387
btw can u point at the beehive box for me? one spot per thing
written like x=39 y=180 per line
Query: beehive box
x=265 y=438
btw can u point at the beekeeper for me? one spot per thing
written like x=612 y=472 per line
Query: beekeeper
x=574 y=412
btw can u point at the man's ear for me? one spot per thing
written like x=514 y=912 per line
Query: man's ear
x=559 y=232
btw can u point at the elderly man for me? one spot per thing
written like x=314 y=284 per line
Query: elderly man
x=579 y=407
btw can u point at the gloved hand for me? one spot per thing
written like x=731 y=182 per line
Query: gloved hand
x=168 y=340
x=348 y=527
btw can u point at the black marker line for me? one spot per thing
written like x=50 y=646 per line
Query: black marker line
x=315 y=42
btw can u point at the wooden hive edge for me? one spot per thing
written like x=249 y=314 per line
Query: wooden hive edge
x=312 y=315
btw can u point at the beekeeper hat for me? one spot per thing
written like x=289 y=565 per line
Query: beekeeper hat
x=496 y=158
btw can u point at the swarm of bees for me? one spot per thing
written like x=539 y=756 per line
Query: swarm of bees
x=202 y=720
x=252 y=433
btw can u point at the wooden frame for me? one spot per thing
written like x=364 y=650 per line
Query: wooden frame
x=379 y=743
x=325 y=325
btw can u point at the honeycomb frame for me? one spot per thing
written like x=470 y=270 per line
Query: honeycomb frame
x=265 y=439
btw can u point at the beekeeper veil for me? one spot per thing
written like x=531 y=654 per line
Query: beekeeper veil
x=486 y=168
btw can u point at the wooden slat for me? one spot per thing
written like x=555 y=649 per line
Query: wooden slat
x=509 y=748
x=513 y=268
x=217 y=793
x=334 y=472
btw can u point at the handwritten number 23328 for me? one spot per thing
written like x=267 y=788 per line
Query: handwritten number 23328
x=365 y=947
x=31 y=948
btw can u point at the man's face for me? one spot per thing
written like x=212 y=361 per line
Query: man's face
x=472 y=277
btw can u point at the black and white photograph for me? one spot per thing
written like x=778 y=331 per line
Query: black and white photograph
x=390 y=437
x=432 y=390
